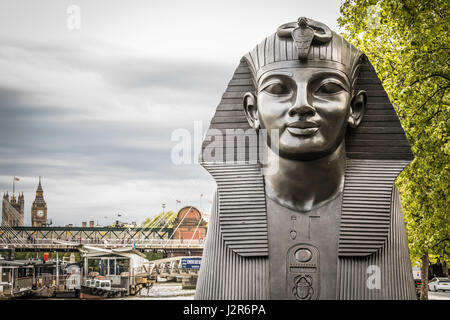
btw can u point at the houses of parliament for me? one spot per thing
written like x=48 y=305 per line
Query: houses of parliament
x=13 y=209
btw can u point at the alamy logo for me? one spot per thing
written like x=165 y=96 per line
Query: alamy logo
x=374 y=279
x=74 y=18
x=231 y=146
x=373 y=17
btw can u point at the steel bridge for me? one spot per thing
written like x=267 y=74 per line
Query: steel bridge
x=73 y=238
x=79 y=233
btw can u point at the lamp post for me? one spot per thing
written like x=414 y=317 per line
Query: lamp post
x=57 y=271
x=118 y=221
x=164 y=214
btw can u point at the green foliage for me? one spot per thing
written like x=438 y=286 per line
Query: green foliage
x=156 y=222
x=153 y=255
x=407 y=42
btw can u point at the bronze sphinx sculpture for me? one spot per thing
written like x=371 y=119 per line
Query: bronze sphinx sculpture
x=326 y=222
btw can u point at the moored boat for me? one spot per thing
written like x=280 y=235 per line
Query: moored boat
x=100 y=289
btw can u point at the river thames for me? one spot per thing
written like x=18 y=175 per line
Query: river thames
x=163 y=291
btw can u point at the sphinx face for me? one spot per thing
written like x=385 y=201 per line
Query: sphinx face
x=310 y=107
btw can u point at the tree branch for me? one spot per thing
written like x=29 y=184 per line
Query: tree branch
x=430 y=76
x=439 y=242
x=429 y=98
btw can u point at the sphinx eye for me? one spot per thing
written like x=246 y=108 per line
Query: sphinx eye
x=329 y=88
x=277 y=88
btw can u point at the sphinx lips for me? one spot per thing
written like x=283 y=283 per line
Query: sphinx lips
x=302 y=128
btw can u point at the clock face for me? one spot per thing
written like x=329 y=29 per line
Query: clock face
x=40 y=213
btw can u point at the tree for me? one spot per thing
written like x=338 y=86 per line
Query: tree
x=407 y=42
x=162 y=219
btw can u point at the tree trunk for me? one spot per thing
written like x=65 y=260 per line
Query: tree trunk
x=445 y=269
x=424 y=276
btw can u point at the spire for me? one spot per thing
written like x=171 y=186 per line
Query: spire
x=39 y=188
x=39 y=193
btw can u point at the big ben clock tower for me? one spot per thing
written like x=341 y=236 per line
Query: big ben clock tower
x=39 y=208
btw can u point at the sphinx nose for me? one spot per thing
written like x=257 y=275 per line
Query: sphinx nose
x=304 y=110
x=301 y=106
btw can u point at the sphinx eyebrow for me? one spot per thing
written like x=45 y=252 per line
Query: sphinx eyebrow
x=334 y=76
x=274 y=73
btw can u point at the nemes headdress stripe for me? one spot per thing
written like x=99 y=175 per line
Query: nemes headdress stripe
x=302 y=42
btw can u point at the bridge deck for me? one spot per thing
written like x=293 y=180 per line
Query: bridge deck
x=107 y=244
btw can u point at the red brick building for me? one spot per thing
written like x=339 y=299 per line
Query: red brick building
x=189 y=224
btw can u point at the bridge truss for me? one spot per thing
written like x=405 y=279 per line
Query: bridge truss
x=96 y=234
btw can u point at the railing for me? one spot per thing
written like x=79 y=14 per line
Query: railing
x=109 y=242
x=25 y=282
x=61 y=282
x=45 y=280
x=168 y=268
x=50 y=280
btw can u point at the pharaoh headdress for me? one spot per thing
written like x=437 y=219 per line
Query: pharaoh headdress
x=377 y=150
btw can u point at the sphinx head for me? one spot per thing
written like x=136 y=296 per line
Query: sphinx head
x=304 y=76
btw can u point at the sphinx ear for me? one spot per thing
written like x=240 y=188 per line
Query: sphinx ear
x=357 y=108
x=251 y=110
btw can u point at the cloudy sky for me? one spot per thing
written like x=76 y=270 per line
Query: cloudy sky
x=92 y=110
